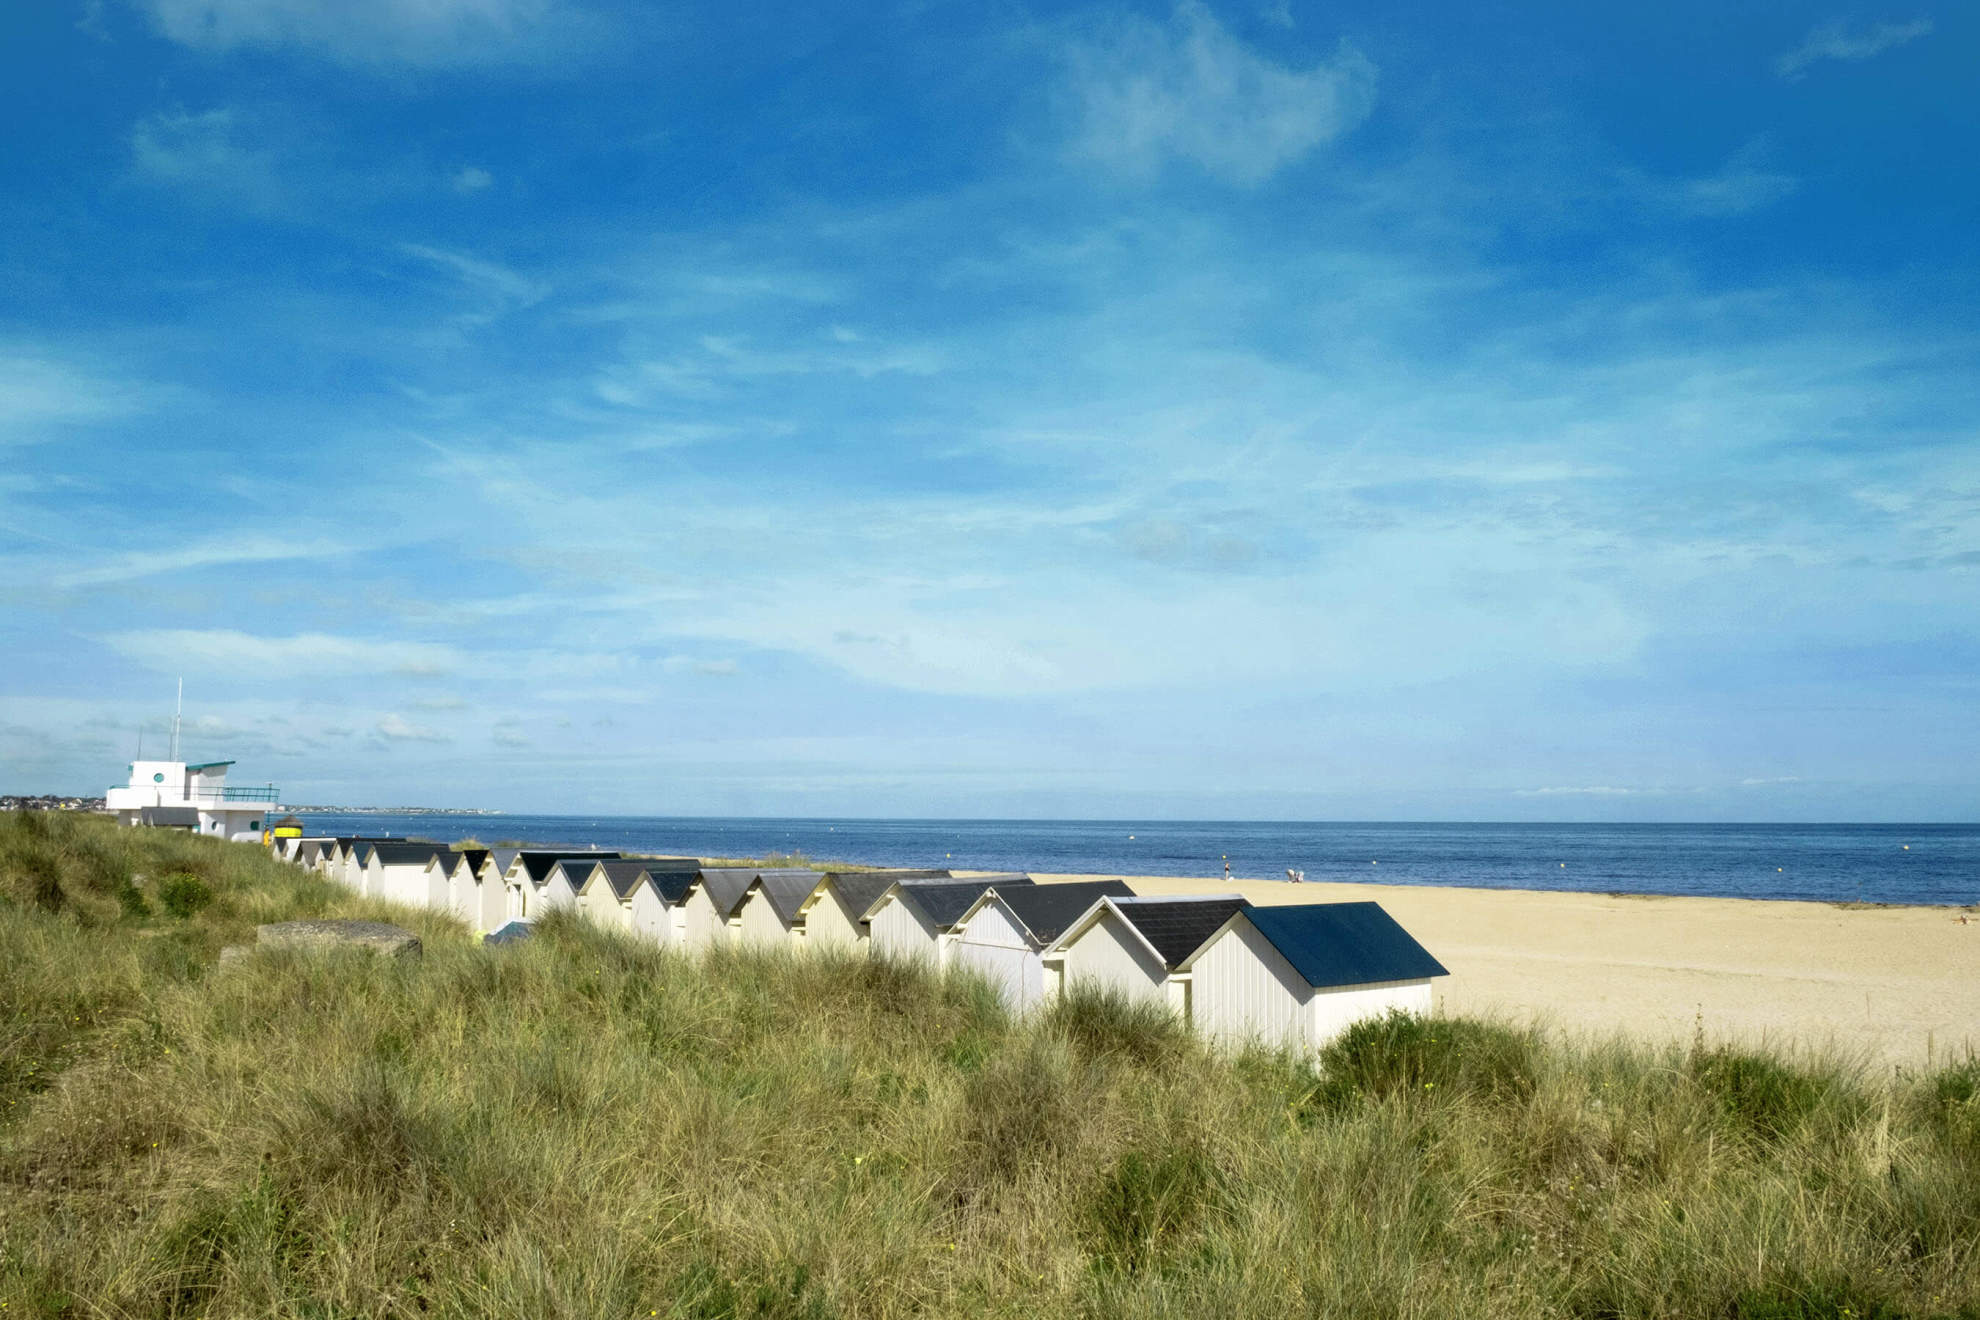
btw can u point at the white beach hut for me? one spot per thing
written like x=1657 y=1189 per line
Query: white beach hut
x=911 y=920
x=1300 y=975
x=653 y=903
x=1003 y=935
x=770 y=915
x=529 y=881
x=491 y=889
x=833 y=913
x=1132 y=946
x=710 y=902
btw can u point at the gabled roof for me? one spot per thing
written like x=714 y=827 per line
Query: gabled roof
x=1045 y=910
x=623 y=874
x=474 y=857
x=1174 y=928
x=400 y=853
x=725 y=886
x=577 y=870
x=537 y=865
x=786 y=890
x=672 y=884
x=502 y=859
x=943 y=901
x=1337 y=944
x=860 y=890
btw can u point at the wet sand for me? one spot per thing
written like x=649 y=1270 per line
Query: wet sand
x=1887 y=985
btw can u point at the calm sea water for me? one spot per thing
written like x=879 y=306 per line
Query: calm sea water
x=1838 y=863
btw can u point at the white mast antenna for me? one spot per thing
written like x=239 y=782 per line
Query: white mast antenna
x=176 y=713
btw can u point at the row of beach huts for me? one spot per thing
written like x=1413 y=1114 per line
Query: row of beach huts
x=1293 y=975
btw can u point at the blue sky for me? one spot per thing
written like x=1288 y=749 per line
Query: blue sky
x=1261 y=410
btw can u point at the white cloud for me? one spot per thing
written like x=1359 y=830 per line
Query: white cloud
x=38 y=393
x=222 y=651
x=396 y=728
x=472 y=178
x=210 y=154
x=1834 y=41
x=217 y=553
x=1188 y=90
x=372 y=32
x=500 y=287
x=1741 y=185
x=1596 y=790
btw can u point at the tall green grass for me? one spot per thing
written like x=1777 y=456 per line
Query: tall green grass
x=580 y=1125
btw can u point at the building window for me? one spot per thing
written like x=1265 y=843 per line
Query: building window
x=158 y=778
x=254 y=824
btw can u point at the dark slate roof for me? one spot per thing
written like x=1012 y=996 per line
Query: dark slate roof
x=1177 y=927
x=623 y=875
x=1336 y=944
x=508 y=933
x=726 y=886
x=176 y=817
x=538 y=865
x=399 y=854
x=503 y=858
x=1046 y=910
x=474 y=857
x=447 y=861
x=577 y=870
x=673 y=885
x=942 y=902
x=862 y=889
x=787 y=889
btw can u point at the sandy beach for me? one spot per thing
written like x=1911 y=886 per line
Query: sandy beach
x=1889 y=985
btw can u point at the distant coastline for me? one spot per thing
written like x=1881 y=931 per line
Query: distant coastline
x=394 y=811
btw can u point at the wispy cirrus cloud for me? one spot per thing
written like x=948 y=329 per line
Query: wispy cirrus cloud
x=431 y=33
x=42 y=393
x=239 y=655
x=217 y=155
x=1147 y=94
x=219 y=552
x=396 y=728
x=1835 y=41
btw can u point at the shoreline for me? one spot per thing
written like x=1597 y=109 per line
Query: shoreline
x=1893 y=985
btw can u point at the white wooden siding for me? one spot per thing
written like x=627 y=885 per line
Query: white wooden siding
x=700 y=926
x=600 y=902
x=830 y=924
x=761 y=927
x=991 y=944
x=650 y=916
x=1330 y=1012
x=899 y=931
x=1109 y=955
x=1243 y=989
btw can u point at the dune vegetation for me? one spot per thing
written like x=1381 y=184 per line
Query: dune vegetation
x=581 y=1125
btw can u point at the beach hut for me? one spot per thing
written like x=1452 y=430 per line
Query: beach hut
x=833 y=913
x=607 y=890
x=653 y=907
x=453 y=880
x=528 y=880
x=710 y=901
x=1132 y=946
x=396 y=871
x=1299 y=975
x=1003 y=935
x=770 y=915
x=911 y=919
x=308 y=852
x=491 y=889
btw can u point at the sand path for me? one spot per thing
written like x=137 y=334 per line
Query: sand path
x=1896 y=986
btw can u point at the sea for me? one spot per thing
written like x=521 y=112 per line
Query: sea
x=1917 y=864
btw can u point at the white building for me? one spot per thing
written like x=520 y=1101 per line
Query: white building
x=1003 y=935
x=192 y=797
x=1297 y=976
x=397 y=872
x=771 y=914
x=1132 y=946
x=911 y=920
x=833 y=913
x=710 y=902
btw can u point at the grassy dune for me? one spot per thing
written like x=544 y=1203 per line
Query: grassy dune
x=582 y=1126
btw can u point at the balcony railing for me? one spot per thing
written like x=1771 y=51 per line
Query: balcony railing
x=269 y=794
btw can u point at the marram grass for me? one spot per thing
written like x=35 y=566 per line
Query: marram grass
x=583 y=1126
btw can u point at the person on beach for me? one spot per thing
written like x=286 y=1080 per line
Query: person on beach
x=1227 y=870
